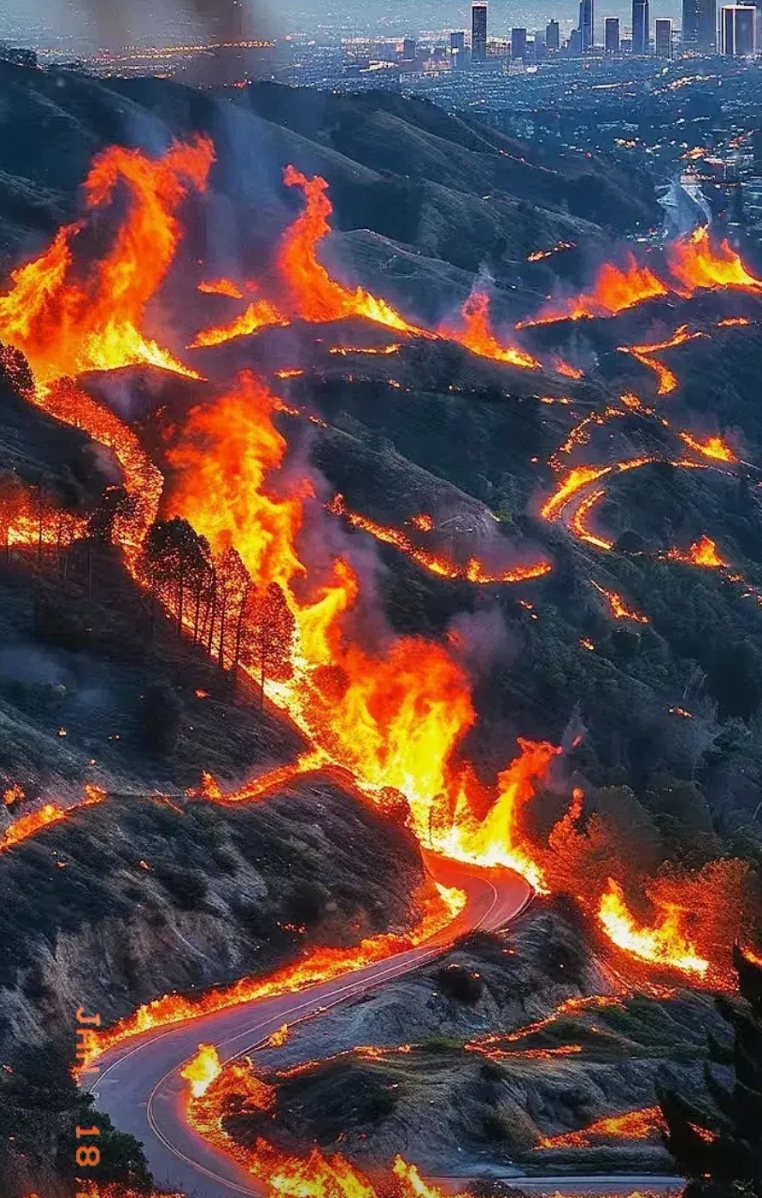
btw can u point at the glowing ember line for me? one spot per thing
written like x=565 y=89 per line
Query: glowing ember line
x=578 y=525
x=667 y=380
x=473 y=571
x=259 y=788
x=386 y=351
x=540 y=255
x=569 y=486
x=713 y=447
x=319 y=965
x=29 y=825
x=221 y=287
x=619 y=609
x=216 y=1089
x=641 y=1124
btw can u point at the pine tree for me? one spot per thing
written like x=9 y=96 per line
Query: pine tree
x=718 y=1146
x=268 y=634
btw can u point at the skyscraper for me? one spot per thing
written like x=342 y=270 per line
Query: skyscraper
x=690 y=24
x=706 y=25
x=640 y=27
x=587 y=25
x=478 y=32
x=519 y=44
x=552 y=37
x=457 y=42
x=738 y=30
x=663 y=37
x=409 y=49
x=611 y=39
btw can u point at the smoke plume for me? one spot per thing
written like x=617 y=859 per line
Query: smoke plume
x=217 y=21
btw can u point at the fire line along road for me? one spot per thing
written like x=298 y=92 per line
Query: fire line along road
x=140 y=1086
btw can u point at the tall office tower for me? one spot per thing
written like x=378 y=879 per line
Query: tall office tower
x=738 y=30
x=587 y=25
x=457 y=42
x=409 y=49
x=552 y=37
x=478 y=32
x=663 y=37
x=640 y=27
x=575 y=43
x=689 y=36
x=706 y=26
x=538 y=48
x=611 y=39
x=519 y=44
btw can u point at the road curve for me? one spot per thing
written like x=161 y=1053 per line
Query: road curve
x=139 y=1084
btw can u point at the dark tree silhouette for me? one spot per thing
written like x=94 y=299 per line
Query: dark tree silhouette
x=114 y=504
x=175 y=562
x=718 y=1147
x=231 y=590
x=12 y=505
x=267 y=634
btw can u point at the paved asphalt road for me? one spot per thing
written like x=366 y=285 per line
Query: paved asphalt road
x=139 y=1084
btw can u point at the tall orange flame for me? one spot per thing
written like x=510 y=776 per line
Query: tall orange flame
x=67 y=319
x=697 y=264
x=315 y=295
x=477 y=335
x=616 y=288
x=664 y=941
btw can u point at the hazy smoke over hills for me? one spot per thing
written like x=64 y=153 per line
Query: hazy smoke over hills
x=217 y=20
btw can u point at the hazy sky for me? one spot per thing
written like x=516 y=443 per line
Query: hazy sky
x=114 y=22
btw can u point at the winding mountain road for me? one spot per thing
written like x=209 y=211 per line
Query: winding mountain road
x=139 y=1083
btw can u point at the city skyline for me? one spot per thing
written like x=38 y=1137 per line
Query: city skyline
x=692 y=24
x=102 y=22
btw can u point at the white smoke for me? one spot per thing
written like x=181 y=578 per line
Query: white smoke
x=685 y=208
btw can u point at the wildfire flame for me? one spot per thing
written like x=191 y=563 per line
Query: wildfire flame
x=701 y=553
x=29 y=825
x=696 y=263
x=315 y=296
x=260 y=314
x=477 y=335
x=65 y=319
x=712 y=447
x=616 y=289
x=618 y=607
x=283 y=1174
x=692 y=262
x=396 y=714
x=642 y=1124
x=221 y=287
x=664 y=941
